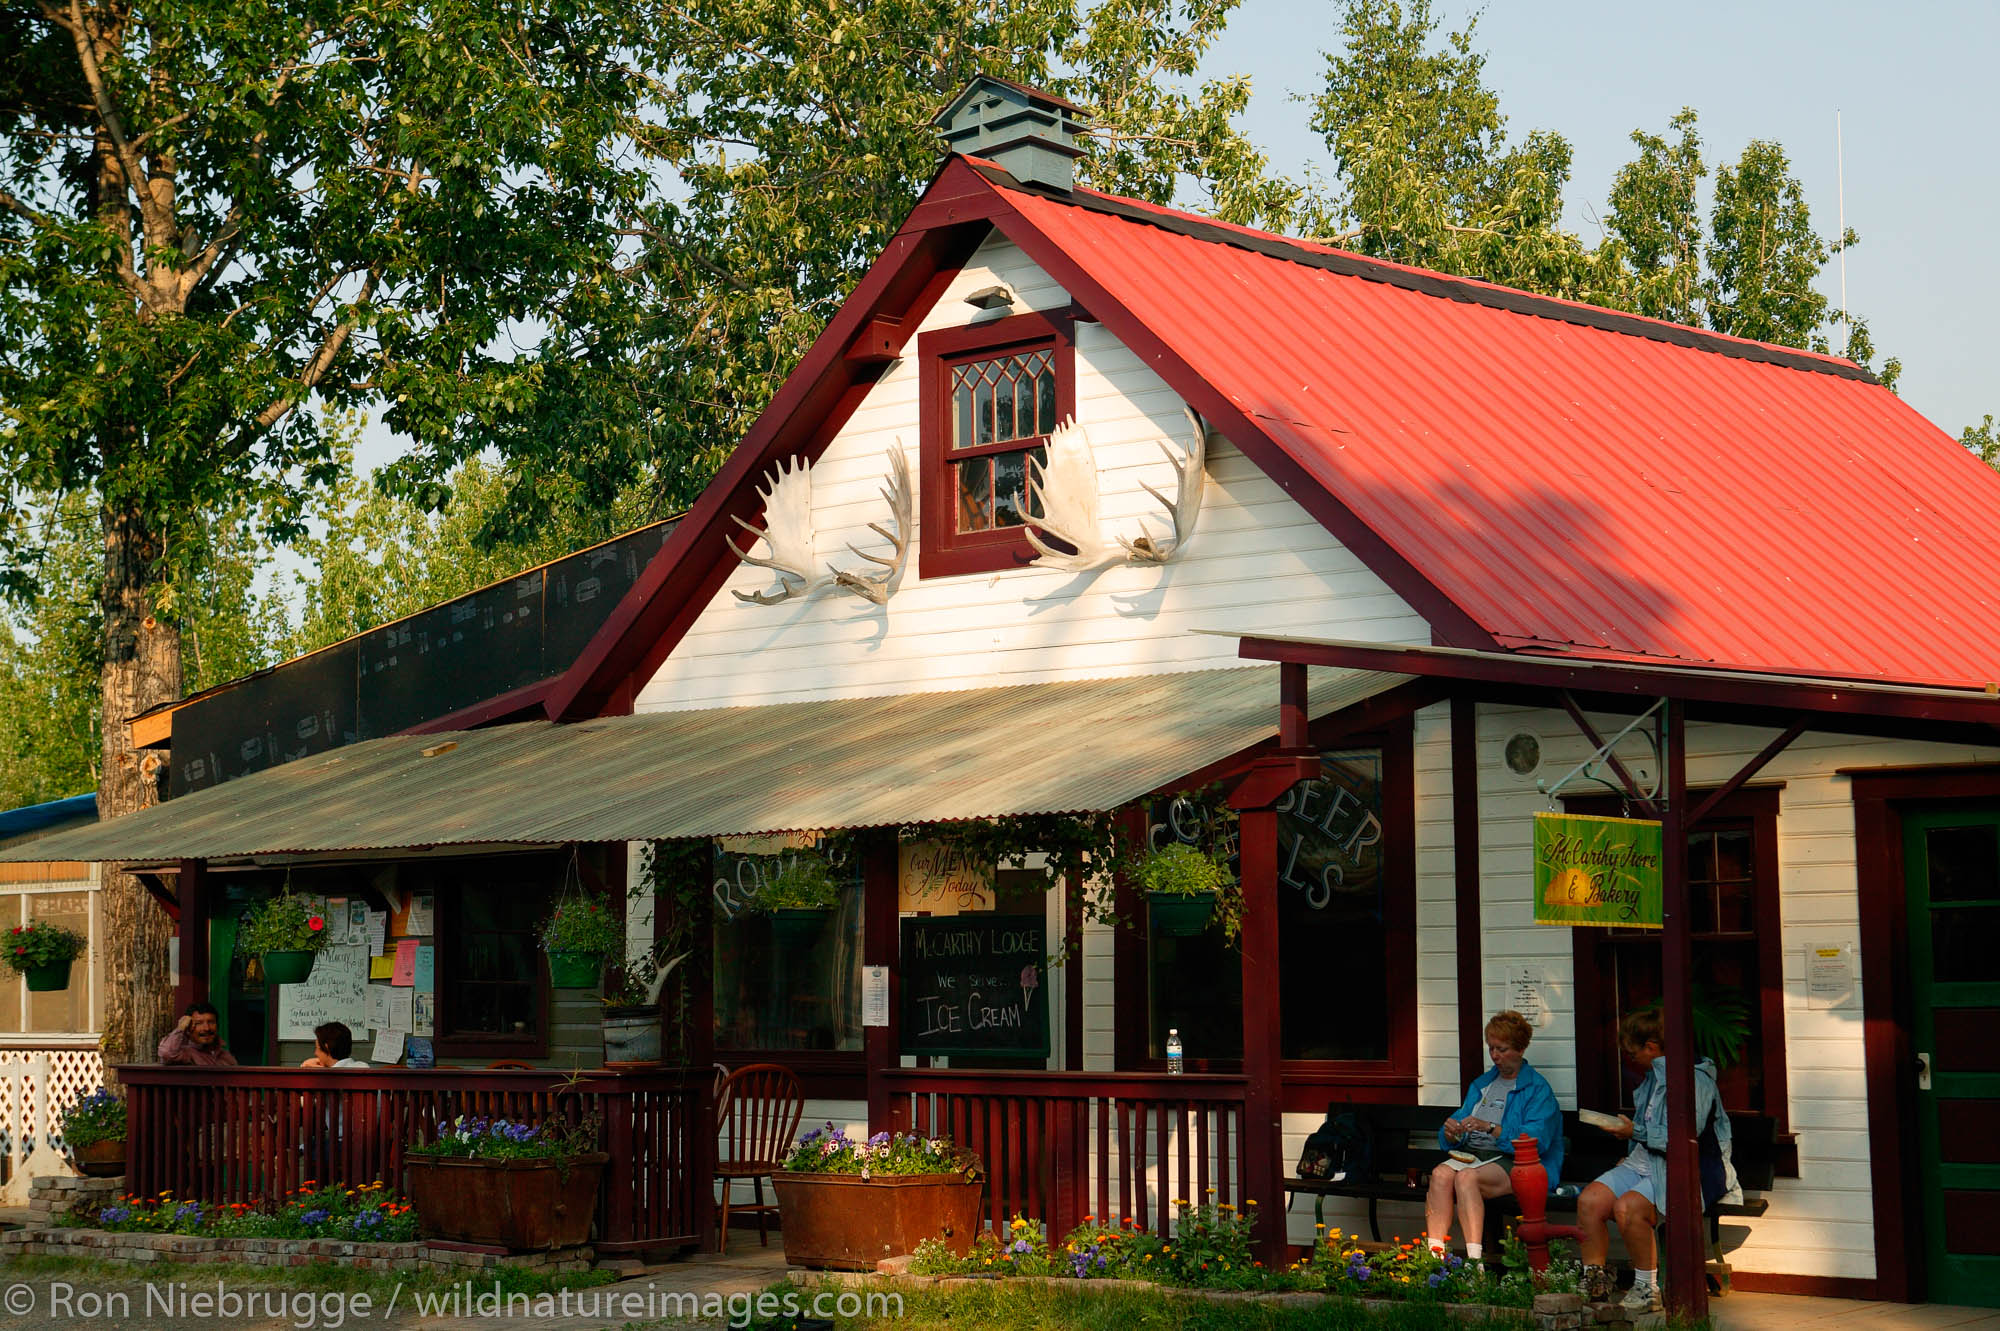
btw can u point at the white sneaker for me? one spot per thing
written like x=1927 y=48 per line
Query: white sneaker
x=1643 y=1298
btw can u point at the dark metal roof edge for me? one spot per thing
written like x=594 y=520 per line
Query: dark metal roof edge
x=1445 y=287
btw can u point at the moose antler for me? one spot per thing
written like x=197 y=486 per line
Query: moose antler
x=878 y=587
x=788 y=531
x=1185 y=507
x=1062 y=503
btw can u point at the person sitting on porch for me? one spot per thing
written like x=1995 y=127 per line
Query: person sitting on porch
x=196 y=1041
x=1634 y=1191
x=1507 y=1100
x=333 y=1047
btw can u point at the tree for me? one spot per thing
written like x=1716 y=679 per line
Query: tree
x=1983 y=440
x=800 y=135
x=50 y=660
x=211 y=213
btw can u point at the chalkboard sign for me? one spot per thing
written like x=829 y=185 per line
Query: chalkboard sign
x=976 y=985
x=337 y=990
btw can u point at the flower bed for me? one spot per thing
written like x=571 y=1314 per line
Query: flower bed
x=1210 y=1249
x=369 y=1213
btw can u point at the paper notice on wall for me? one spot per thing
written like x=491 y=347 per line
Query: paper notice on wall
x=423 y=1019
x=381 y=968
x=388 y=1047
x=357 y=921
x=423 y=915
x=406 y=963
x=336 y=922
x=1830 y=976
x=874 y=995
x=378 y=932
x=378 y=1007
x=424 y=975
x=401 y=1011
x=1527 y=992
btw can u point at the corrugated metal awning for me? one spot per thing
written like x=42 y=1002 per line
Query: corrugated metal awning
x=853 y=762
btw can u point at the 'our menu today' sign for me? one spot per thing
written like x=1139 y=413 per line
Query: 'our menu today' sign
x=975 y=984
x=1598 y=871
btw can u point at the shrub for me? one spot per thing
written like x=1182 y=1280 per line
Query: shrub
x=805 y=881
x=97 y=1117
x=583 y=923
x=286 y=923
x=1180 y=870
x=31 y=946
x=478 y=1137
x=368 y=1213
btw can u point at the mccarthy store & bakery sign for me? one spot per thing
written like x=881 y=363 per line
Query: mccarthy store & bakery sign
x=1597 y=871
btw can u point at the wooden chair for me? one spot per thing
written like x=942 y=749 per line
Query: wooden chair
x=757 y=1119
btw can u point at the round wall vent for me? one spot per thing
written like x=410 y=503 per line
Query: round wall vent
x=1523 y=754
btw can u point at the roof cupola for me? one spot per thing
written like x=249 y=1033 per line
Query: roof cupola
x=1030 y=133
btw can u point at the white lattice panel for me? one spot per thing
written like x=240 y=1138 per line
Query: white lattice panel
x=73 y=1074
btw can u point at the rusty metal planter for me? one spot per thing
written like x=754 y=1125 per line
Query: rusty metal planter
x=525 y=1205
x=848 y=1224
x=102 y=1159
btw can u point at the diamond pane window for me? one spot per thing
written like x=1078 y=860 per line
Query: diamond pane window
x=996 y=402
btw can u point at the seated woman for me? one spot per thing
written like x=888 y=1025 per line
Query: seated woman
x=333 y=1047
x=1507 y=1100
x=1634 y=1191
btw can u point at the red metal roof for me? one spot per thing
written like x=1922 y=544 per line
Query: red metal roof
x=1582 y=489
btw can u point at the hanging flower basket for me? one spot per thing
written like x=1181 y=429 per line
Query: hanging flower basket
x=575 y=970
x=1177 y=916
x=290 y=966
x=41 y=954
x=286 y=933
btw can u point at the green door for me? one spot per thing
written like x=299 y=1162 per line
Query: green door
x=1952 y=860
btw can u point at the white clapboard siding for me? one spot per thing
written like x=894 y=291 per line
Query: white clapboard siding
x=1258 y=561
x=1821 y=1223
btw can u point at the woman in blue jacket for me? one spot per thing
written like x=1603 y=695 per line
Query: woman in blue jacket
x=1508 y=1099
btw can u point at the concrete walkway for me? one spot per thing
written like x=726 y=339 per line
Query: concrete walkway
x=1785 y=1312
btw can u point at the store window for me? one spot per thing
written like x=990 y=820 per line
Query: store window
x=786 y=979
x=994 y=393
x=60 y=1011
x=493 y=997
x=1738 y=982
x=1346 y=963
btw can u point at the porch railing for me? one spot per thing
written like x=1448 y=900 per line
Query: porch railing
x=1061 y=1145
x=254 y=1134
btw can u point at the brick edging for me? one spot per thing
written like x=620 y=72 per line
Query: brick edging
x=199 y=1249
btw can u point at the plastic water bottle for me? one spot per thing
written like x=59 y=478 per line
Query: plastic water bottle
x=1174 y=1068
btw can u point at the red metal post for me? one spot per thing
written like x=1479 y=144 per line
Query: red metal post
x=1687 y=1274
x=192 y=890
x=881 y=929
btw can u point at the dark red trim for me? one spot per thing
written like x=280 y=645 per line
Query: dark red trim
x=1825 y=1287
x=192 y=885
x=881 y=940
x=1737 y=689
x=1073 y=976
x=1684 y=1258
x=942 y=550
x=1465 y=868
x=1887 y=1006
x=517 y=705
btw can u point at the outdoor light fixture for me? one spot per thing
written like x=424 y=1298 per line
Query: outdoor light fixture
x=991 y=298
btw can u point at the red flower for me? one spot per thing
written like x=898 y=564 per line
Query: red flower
x=315 y=924
x=17 y=928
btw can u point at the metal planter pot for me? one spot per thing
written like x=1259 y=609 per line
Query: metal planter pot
x=288 y=967
x=1176 y=916
x=575 y=970
x=794 y=926
x=46 y=979
x=631 y=1035
x=105 y=1159
x=841 y=1222
x=522 y=1205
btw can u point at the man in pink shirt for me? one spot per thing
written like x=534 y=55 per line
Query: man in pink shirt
x=196 y=1041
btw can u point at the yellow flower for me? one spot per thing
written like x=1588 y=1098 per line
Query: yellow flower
x=1249 y=1201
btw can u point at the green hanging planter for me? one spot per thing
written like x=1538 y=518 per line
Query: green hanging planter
x=289 y=967
x=1182 y=916
x=797 y=926
x=575 y=970
x=43 y=979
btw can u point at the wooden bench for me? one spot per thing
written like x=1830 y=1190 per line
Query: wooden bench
x=1406 y=1151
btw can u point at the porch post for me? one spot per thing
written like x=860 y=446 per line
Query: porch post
x=701 y=1063
x=1465 y=872
x=1255 y=799
x=192 y=889
x=881 y=929
x=1687 y=1267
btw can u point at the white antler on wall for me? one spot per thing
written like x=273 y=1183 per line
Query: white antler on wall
x=1062 y=504
x=788 y=531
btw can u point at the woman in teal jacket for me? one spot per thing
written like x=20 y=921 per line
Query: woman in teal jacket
x=1507 y=1100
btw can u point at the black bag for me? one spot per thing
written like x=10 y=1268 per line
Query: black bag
x=1714 y=1178
x=1342 y=1146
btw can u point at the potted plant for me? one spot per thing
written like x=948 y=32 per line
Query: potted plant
x=93 y=1131
x=1186 y=889
x=632 y=1008
x=287 y=932
x=523 y=1186
x=578 y=935
x=846 y=1205
x=798 y=897
x=41 y=954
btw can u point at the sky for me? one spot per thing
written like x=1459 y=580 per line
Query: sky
x=1913 y=88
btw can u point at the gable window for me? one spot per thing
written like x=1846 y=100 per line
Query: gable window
x=993 y=393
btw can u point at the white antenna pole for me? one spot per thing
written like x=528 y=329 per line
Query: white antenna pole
x=1840 y=171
